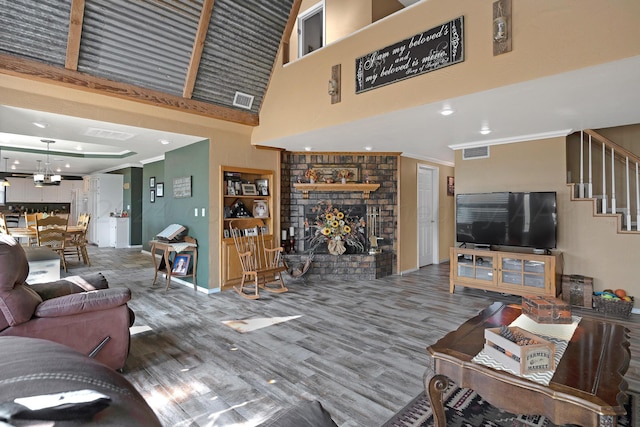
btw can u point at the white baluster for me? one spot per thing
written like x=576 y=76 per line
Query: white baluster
x=604 y=180
x=637 y=199
x=613 y=182
x=581 y=186
x=590 y=185
x=628 y=216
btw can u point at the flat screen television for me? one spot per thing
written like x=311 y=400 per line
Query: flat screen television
x=525 y=219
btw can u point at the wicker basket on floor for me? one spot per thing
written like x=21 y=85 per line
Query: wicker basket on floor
x=612 y=306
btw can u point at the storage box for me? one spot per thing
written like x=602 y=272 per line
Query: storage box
x=525 y=359
x=577 y=290
x=613 y=306
x=543 y=309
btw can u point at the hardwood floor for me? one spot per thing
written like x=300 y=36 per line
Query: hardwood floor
x=358 y=347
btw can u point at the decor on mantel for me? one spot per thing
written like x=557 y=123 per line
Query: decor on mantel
x=337 y=229
x=312 y=175
x=344 y=174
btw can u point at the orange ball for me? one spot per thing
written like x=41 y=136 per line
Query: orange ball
x=620 y=293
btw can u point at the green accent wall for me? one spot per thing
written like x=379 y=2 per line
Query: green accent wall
x=132 y=202
x=193 y=161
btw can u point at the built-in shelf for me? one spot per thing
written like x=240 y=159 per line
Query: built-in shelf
x=366 y=189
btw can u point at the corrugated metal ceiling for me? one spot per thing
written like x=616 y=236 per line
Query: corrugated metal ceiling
x=149 y=43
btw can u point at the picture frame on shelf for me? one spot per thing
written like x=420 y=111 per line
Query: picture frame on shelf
x=181 y=265
x=152 y=182
x=262 y=185
x=251 y=232
x=160 y=189
x=249 y=190
x=260 y=209
x=152 y=196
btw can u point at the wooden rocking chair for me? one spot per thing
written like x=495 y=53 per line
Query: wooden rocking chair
x=261 y=263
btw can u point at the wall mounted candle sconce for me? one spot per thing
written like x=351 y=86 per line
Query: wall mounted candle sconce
x=501 y=27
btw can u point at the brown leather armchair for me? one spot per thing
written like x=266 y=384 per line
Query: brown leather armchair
x=80 y=312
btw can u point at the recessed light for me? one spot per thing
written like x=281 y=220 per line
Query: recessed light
x=67 y=165
x=307 y=148
x=485 y=131
x=446 y=111
x=41 y=125
x=13 y=167
x=16 y=162
x=368 y=148
x=165 y=141
x=79 y=147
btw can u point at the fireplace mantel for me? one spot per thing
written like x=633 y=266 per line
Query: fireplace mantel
x=365 y=188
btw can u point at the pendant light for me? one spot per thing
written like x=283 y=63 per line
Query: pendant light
x=44 y=175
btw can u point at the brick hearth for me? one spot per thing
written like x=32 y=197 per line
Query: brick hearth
x=349 y=267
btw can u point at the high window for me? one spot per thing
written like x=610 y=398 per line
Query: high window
x=311 y=30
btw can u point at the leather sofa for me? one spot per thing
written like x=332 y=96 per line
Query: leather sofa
x=35 y=367
x=81 y=312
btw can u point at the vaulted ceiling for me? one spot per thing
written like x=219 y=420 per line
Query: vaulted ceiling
x=187 y=54
x=209 y=57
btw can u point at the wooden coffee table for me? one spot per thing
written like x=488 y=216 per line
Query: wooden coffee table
x=587 y=388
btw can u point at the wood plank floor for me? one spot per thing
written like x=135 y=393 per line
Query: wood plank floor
x=358 y=347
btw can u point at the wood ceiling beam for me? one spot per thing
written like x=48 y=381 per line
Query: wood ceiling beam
x=33 y=70
x=286 y=35
x=198 y=45
x=75 y=34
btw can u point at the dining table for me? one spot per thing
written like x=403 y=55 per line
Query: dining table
x=31 y=231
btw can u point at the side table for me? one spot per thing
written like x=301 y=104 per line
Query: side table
x=166 y=248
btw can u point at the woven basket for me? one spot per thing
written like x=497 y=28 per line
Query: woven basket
x=612 y=306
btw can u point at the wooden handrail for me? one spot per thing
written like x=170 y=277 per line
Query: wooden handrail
x=621 y=151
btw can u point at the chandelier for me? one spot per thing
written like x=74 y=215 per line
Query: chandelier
x=44 y=175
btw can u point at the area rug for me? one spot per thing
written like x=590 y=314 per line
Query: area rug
x=465 y=408
x=248 y=325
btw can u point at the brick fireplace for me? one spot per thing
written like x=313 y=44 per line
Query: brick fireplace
x=380 y=168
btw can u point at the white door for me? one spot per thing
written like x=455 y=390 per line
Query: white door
x=427 y=215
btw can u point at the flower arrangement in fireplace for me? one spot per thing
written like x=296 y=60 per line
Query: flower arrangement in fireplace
x=337 y=229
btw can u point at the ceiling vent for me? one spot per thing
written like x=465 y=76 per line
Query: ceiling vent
x=475 y=153
x=108 y=134
x=243 y=100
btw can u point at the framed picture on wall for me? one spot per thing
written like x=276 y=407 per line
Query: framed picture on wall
x=152 y=196
x=160 y=189
x=152 y=182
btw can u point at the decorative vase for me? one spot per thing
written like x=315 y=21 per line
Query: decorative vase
x=344 y=180
x=336 y=246
x=312 y=181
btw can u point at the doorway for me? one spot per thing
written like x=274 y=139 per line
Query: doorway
x=427 y=215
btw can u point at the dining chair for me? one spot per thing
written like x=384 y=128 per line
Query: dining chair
x=30 y=222
x=52 y=233
x=3 y=225
x=76 y=243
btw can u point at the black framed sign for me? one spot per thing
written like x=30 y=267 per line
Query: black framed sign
x=425 y=52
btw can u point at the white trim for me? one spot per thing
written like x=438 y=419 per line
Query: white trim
x=153 y=159
x=520 y=138
x=428 y=159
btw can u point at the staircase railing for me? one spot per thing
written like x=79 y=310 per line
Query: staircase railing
x=621 y=166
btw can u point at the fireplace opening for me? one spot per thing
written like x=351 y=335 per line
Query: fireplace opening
x=315 y=220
